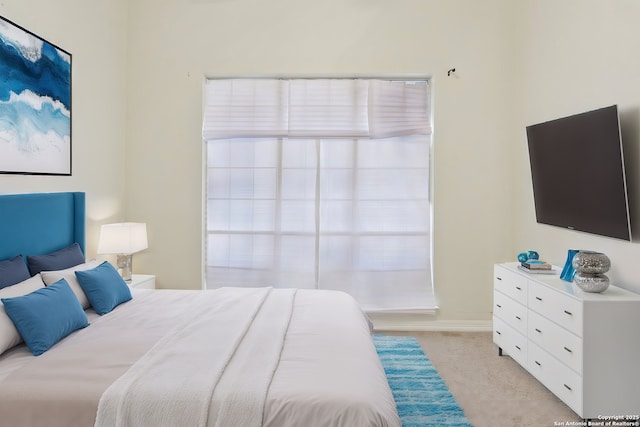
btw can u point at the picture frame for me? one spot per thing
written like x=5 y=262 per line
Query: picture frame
x=35 y=104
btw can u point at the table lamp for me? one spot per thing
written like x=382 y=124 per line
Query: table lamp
x=123 y=239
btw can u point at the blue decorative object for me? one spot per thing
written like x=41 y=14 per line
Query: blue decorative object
x=523 y=256
x=13 y=271
x=422 y=398
x=533 y=255
x=35 y=118
x=568 y=271
x=45 y=316
x=58 y=260
x=103 y=287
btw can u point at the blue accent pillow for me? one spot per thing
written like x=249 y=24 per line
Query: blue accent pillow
x=13 y=271
x=104 y=287
x=45 y=316
x=59 y=260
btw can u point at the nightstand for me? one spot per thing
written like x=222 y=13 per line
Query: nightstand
x=142 y=281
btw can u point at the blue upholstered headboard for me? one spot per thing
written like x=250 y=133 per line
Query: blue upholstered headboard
x=39 y=223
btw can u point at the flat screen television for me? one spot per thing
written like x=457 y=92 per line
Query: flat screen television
x=577 y=169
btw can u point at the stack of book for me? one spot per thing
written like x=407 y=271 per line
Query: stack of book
x=536 y=267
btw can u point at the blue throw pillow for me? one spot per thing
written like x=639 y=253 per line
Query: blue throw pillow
x=59 y=260
x=13 y=271
x=104 y=287
x=45 y=316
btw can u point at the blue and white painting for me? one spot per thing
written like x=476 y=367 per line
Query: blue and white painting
x=35 y=104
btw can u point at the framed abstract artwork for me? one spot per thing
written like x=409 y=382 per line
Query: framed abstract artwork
x=35 y=104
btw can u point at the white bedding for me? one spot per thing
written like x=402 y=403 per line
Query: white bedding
x=327 y=374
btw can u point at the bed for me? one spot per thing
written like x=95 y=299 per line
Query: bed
x=226 y=357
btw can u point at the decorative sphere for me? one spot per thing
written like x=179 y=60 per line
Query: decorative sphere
x=533 y=255
x=591 y=262
x=523 y=256
x=591 y=282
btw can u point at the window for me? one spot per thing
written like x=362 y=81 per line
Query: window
x=320 y=184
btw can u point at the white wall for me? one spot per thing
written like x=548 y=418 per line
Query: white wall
x=576 y=56
x=139 y=65
x=174 y=44
x=95 y=34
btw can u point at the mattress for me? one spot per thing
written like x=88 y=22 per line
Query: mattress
x=327 y=372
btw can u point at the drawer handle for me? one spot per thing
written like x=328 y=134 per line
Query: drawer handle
x=498 y=332
x=568 y=349
x=538 y=331
x=499 y=278
x=498 y=305
x=568 y=312
x=567 y=387
x=518 y=348
x=538 y=363
x=518 y=317
x=539 y=299
x=518 y=288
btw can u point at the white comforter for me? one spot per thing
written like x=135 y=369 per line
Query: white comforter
x=326 y=372
x=234 y=364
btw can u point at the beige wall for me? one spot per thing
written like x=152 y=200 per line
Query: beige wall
x=95 y=34
x=576 y=56
x=139 y=67
x=174 y=44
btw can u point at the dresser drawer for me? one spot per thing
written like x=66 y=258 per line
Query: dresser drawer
x=563 y=382
x=510 y=283
x=557 y=341
x=558 y=307
x=511 y=312
x=510 y=341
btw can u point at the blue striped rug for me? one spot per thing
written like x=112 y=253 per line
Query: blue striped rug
x=422 y=398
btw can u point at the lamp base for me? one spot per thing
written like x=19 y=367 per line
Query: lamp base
x=124 y=266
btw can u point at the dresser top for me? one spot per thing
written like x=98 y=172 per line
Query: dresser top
x=612 y=293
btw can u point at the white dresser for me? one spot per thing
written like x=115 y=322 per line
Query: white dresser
x=584 y=347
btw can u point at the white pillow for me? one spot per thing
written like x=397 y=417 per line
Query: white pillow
x=9 y=336
x=51 y=277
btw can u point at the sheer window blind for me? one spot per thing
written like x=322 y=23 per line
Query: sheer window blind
x=320 y=184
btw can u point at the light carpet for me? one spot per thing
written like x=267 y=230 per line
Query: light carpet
x=422 y=398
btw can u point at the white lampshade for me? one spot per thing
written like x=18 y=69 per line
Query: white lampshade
x=122 y=238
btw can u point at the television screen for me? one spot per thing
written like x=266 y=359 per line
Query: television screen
x=577 y=169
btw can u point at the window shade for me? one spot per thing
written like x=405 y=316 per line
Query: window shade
x=397 y=109
x=314 y=108
x=245 y=108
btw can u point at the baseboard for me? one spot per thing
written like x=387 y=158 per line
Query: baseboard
x=410 y=323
